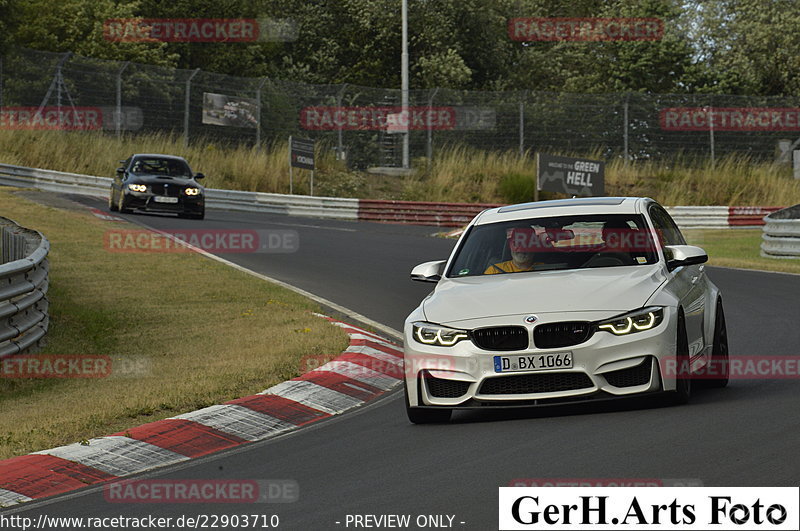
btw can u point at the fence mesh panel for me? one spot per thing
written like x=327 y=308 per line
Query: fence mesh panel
x=356 y=120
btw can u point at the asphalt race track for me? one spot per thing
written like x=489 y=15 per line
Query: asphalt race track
x=373 y=461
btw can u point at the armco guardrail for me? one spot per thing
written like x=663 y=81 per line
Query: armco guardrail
x=700 y=217
x=292 y=205
x=23 y=289
x=781 y=237
x=410 y=212
x=420 y=213
x=749 y=216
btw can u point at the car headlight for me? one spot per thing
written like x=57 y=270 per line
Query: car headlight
x=192 y=191
x=137 y=187
x=441 y=336
x=632 y=322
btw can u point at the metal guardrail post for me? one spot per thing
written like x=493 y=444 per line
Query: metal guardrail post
x=339 y=146
x=258 y=111
x=522 y=123
x=118 y=111
x=429 y=150
x=625 y=105
x=186 y=108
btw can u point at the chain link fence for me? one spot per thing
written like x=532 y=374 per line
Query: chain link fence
x=365 y=127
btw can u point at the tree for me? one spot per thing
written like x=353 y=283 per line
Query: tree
x=77 y=26
x=748 y=46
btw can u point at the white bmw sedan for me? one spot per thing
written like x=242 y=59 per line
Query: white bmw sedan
x=563 y=300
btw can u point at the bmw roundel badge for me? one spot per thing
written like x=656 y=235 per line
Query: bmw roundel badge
x=531 y=319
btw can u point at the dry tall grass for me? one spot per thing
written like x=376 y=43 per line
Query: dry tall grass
x=458 y=173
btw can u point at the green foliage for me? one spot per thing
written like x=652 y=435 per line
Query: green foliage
x=748 y=46
x=720 y=46
x=517 y=187
x=77 y=26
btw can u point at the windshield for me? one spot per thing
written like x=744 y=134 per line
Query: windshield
x=156 y=166
x=564 y=242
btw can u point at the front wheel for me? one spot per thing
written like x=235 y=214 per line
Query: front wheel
x=112 y=206
x=121 y=204
x=719 y=363
x=683 y=373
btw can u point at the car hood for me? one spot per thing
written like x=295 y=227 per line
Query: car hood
x=145 y=178
x=576 y=290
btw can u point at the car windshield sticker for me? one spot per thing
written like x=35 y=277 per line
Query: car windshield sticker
x=463 y=272
x=641 y=259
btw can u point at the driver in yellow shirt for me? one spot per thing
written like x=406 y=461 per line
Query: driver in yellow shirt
x=523 y=243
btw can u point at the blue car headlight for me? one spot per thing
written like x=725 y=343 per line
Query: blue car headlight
x=632 y=322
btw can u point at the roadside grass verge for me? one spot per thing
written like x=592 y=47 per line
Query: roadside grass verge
x=183 y=332
x=738 y=248
x=457 y=173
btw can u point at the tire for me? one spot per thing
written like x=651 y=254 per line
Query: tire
x=112 y=206
x=121 y=204
x=683 y=386
x=419 y=415
x=719 y=352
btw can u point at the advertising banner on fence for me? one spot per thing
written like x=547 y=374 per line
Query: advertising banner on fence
x=232 y=111
x=571 y=176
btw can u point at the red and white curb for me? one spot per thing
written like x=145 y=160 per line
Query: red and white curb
x=369 y=367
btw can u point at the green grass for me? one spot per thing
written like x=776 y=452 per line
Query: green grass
x=182 y=331
x=738 y=248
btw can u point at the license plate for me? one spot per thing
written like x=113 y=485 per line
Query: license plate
x=161 y=199
x=533 y=362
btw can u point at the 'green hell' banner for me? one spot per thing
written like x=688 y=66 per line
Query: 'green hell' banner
x=571 y=176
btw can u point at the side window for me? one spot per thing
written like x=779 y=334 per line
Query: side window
x=667 y=230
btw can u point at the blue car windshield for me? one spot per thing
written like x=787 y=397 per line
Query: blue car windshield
x=563 y=242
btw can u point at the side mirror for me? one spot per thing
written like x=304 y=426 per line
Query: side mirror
x=684 y=255
x=199 y=176
x=428 y=272
x=120 y=171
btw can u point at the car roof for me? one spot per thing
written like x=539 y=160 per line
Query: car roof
x=564 y=207
x=157 y=155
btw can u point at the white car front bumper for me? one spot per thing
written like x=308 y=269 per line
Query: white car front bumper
x=605 y=365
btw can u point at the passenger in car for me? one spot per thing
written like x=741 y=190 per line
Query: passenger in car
x=524 y=245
